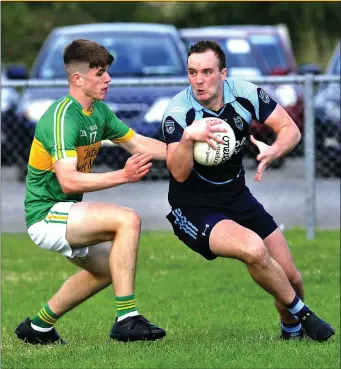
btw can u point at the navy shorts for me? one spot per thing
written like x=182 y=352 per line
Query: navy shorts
x=193 y=226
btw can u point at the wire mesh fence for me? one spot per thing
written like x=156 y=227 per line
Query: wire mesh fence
x=312 y=101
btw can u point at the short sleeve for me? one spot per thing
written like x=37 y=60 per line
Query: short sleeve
x=253 y=98
x=58 y=132
x=174 y=121
x=115 y=130
x=266 y=105
x=172 y=130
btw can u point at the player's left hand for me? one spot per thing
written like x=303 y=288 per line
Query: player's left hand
x=201 y=130
x=267 y=154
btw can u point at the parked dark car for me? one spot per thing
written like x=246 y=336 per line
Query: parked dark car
x=327 y=122
x=9 y=100
x=143 y=52
x=242 y=58
x=273 y=43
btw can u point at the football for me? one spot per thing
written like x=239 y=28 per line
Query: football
x=204 y=154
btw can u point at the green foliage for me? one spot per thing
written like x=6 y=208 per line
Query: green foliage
x=25 y=25
x=214 y=314
x=312 y=23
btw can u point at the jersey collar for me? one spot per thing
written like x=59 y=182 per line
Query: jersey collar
x=86 y=112
x=228 y=98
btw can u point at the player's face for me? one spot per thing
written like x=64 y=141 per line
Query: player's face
x=96 y=83
x=206 y=79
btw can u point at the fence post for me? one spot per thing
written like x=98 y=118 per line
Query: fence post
x=309 y=156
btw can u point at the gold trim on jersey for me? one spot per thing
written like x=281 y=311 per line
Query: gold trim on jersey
x=68 y=154
x=88 y=112
x=41 y=159
x=127 y=137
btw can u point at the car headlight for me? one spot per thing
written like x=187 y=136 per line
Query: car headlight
x=9 y=98
x=286 y=95
x=155 y=112
x=5 y=100
x=35 y=109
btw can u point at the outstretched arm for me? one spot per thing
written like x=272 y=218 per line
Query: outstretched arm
x=146 y=145
x=73 y=181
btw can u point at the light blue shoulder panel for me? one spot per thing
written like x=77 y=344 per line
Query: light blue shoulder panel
x=246 y=90
x=178 y=108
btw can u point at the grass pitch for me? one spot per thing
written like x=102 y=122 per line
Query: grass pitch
x=214 y=314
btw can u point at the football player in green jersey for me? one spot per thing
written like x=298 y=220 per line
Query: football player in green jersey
x=101 y=238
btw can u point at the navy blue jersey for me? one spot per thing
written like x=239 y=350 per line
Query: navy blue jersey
x=221 y=185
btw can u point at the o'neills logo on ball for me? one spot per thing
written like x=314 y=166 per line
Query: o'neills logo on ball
x=226 y=149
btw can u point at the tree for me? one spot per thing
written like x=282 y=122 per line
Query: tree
x=310 y=23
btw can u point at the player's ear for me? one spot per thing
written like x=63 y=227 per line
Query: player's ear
x=223 y=73
x=77 y=79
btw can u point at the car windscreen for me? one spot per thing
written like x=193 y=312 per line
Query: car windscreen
x=136 y=54
x=240 y=57
x=271 y=49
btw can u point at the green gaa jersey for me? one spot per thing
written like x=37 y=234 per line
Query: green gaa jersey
x=66 y=130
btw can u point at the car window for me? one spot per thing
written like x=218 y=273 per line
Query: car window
x=271 y=49
x=136 y=54
x=239 y=55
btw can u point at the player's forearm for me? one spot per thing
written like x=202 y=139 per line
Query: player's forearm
x=89 y=182
x=155 y=148
x=181 y=163
x=287 y=139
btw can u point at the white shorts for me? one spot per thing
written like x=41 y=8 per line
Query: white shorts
x=49 y=233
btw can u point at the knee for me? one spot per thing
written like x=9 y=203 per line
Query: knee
x=131 y=219
x=256 y=253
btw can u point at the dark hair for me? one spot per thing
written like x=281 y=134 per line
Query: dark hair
x=204 y=45
x=89 y=52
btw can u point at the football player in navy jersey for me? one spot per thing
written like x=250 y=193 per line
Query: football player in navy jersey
x=213 y=211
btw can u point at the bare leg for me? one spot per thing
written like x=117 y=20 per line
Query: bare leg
x=279 y=250
x=89 y=224
x=229 y=239
x=123 y=257
x=93 y=222
x=94 y=278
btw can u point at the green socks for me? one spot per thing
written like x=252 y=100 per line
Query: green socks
x=125 y=306
x=44 y=319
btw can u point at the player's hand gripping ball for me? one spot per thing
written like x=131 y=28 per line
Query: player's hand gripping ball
x=206 y=155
